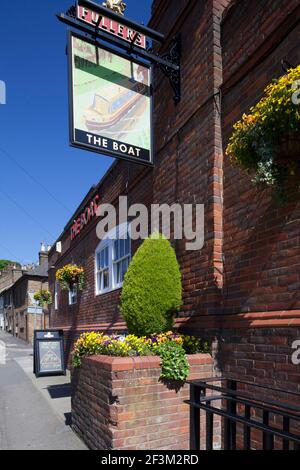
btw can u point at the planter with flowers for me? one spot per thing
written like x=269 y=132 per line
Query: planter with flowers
x=124 y=384
x=71 y=275
x=151 y=295
x=266 y=142
x=43 y=297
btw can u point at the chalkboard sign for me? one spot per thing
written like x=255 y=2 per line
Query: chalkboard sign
x=49 y=353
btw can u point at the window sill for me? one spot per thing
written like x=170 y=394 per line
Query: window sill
x=109 y=291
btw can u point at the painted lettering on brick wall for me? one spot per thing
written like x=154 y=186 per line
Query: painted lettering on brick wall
x=85 y=217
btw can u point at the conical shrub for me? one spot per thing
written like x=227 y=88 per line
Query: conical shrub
x=152 y=290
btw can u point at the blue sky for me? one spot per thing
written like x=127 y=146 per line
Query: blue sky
x=42 y=179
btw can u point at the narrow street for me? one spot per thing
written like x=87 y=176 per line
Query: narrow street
x=34 y=413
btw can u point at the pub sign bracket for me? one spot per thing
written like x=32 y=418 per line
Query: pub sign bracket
x=174 y=75
x=169 y=62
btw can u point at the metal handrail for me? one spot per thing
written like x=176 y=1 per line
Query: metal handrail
x=231 y=378
x=230 y=397
x=230 y=391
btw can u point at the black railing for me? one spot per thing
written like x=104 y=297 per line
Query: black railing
x=242 y=408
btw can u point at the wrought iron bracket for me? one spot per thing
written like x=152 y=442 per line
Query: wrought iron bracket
x=174 y=75
x=71 y=12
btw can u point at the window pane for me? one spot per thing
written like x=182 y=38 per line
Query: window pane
x=121 y=269
x=122 y=248
x=103 y=259
x=116 y=246
x=124 y=268
x=127 y=245
x=106 y=279
x=119 y=280
x=73 y=296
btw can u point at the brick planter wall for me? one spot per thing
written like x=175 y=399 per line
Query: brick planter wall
x=120 y=403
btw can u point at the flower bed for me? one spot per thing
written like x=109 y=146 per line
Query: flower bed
x=171 y=347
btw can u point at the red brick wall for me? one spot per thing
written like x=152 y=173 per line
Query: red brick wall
x=263 y=356
x=120 y=404
x=188 y=141
x=261 y=240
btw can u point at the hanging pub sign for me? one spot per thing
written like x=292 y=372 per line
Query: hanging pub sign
x=110 y=85
x=111 y=102
x=48 y=353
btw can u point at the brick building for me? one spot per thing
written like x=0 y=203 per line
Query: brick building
x=8 y=277
x=242 y=289
x=21 y=315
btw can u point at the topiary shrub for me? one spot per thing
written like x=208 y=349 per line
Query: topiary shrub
x=152 y=290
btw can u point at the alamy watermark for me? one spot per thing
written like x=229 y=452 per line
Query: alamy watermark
x=296 y=354
x=176 y=221
x=296 y=94
x=2 y=92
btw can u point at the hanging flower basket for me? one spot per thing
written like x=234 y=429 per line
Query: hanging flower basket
x=43 y=297
x=266 y=142
x=71 y=275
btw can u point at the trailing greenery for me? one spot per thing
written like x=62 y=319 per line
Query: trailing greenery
x=5 y=262
x=261 y=137
x=43 y=297
x=171 y=347
x=174 y=363
x=71 y=275
x=152 y=290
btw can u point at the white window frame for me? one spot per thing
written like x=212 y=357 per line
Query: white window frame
x=105 y=244
x=73 y=295
x=109 y=242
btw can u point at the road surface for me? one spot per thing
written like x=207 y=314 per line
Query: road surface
x=34 y=413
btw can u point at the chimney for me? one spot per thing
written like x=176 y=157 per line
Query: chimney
x=43 y=254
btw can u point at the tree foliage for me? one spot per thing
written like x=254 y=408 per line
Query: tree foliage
x=5 y=262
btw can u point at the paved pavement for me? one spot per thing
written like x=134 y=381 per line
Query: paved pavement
x=34 y=413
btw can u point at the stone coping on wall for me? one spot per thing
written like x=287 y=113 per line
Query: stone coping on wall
x=120 y=364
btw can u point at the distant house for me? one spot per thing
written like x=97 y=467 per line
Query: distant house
x=19 y=313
